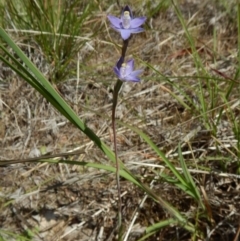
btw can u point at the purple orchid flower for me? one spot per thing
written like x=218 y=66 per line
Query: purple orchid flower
x=125 y=72
x=126 y=25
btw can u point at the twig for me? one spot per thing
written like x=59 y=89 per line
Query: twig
x=37 y=159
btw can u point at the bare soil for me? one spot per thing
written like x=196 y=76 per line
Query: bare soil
x=69 y=202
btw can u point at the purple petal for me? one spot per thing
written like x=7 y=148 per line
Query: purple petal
x=117 y=29
x=125 y=33
x=130 y=65
x=116 y=71
x=119 y=63
x=128 y=70
x=137 y=72
x=132 y=78
x=136 y=30
x=116 y=22
x=136 y=22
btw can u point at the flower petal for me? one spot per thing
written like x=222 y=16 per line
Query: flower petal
x=137 y=22
x=125 y=33
x=119 y=63
x=130 y=65
x=116 y=71
x=132 y=78
x=137 y=72
x=116 y=22
x=136 y=30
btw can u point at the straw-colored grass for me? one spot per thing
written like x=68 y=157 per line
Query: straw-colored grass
x=187 y=104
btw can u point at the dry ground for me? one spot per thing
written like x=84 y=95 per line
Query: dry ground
x=72 y=203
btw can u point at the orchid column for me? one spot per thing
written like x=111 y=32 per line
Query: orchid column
x=126 y=25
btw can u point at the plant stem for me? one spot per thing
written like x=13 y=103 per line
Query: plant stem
x=115 y=96
x=116 y=90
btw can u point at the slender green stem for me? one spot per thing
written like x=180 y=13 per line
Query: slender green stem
x=124 y=47
x=115 y=97
x=116 y=90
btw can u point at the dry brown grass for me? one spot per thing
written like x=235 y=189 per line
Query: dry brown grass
x=67 y=202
